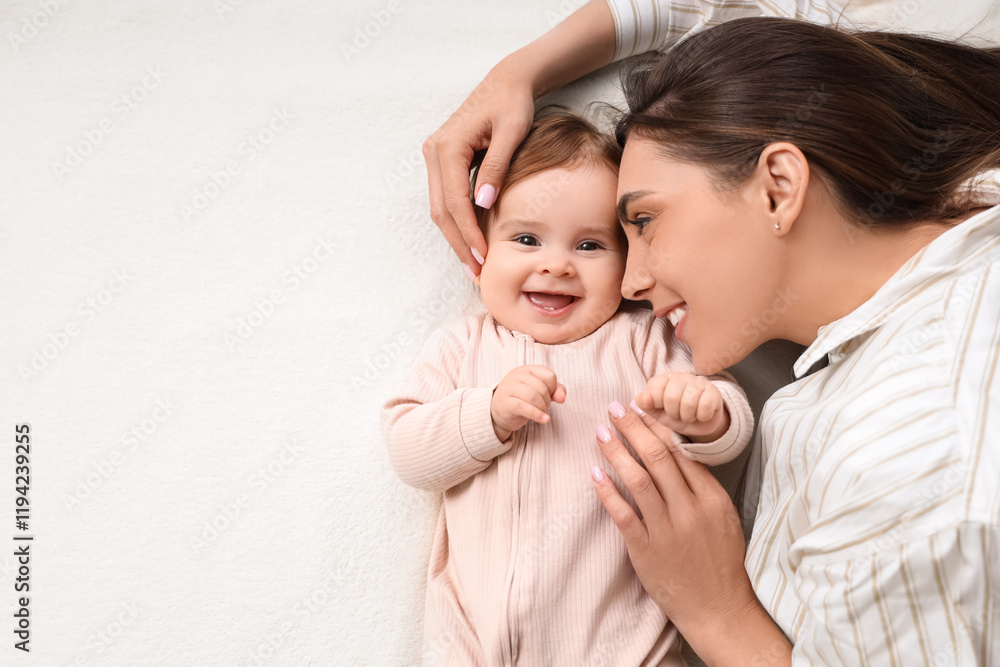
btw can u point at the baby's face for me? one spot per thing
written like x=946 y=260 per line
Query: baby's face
x=556 y=255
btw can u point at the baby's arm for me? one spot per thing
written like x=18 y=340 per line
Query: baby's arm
x=439 y=434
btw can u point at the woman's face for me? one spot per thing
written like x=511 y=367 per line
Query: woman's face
x=703 y=255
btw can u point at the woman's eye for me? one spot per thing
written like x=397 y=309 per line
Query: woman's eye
x=639 y=223
x=589 y=245
x=526 y=239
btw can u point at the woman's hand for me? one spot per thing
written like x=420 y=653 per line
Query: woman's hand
x=497 y=116
x=687 y=547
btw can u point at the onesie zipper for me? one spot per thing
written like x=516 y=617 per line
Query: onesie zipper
x=510 y=645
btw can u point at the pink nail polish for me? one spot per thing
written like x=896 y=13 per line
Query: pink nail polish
x=603 y=434
x=597 y=474
x=636 y=409
x=616 y=409
x=469 y=272
x=478 y=256
x=484 y=198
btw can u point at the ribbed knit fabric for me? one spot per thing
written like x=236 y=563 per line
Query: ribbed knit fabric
x=527 y=568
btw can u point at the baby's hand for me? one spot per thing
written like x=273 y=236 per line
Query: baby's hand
x=522 y=396
x=687 y=404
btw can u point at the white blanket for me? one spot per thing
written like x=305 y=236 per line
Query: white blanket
x=216 y=260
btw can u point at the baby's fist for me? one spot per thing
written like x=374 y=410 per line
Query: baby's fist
x=686 y=403
x=524 y=395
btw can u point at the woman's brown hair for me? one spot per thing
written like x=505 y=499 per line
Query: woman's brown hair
x=558 y=139
x=894 y=123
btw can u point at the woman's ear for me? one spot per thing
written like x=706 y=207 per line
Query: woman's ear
x=784 y=174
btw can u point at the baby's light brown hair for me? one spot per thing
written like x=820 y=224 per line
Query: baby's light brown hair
x=558 y=139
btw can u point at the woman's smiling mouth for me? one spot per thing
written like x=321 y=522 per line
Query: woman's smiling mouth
x=677 y=315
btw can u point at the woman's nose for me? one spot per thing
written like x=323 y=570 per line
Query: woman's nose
x=637 y=279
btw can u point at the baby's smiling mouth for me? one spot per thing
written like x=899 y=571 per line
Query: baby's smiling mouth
x=550 y=302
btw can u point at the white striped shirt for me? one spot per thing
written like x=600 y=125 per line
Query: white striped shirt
x=654 y=25
x=877 y=534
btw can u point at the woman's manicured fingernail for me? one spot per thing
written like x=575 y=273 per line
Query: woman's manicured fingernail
x=616 y=409
x=635 y=408
x=484 y=198
x=603 y=434
x=479 y=257
x=597 y=474
x=469 y=272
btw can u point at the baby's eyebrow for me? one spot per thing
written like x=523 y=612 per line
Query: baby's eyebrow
x=520 y=222
x=599 y=232
x=627 y=199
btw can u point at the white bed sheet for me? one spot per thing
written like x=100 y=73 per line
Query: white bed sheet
x=216 y=261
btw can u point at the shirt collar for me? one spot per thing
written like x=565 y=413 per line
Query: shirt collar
x=936 y=261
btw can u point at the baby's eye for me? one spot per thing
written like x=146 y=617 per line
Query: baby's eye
x=526 y=239
x=589 y=245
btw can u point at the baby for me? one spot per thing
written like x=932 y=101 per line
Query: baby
x=500 y=412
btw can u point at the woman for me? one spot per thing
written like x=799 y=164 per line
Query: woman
x=877 y=537
x=782 y=180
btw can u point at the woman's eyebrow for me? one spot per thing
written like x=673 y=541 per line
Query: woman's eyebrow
x=625 y=200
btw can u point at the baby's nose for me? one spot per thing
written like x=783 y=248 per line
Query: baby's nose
x=557 y=263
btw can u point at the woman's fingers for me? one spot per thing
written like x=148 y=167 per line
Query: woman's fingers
x=454 y=166
x=440 y=212
x=631 y=527
x=495 y=117
x=659 y=429
x=674 y=474
x=635 y=478
x=656 y=454
x=505 y=137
